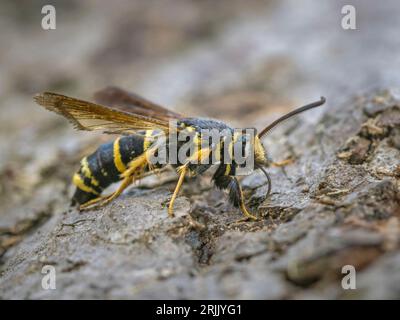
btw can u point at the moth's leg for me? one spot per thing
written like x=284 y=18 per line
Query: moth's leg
x=88 y=205
x=223 y=181
x=199 y=155
x=236 y=195
x=182 y=172
x=282 y=163
x=135 y=170
x=107 y=199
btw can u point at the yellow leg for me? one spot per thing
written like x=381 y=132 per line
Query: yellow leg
x=242 y=205
x=282 y=163
x=176 y=191
x=102 y=201
x=125 y=184
x=134 y=171
x=246 y=212
x=91 y=203
x=199 y=155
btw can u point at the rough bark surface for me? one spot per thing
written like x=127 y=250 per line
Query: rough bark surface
x=337 y=204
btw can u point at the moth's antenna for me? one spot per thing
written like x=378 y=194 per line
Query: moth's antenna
x=291 y=114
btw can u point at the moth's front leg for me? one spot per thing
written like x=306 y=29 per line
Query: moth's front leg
x=223 y=180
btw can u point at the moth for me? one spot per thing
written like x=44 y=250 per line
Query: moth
x=144 y=128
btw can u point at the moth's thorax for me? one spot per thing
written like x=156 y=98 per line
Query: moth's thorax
x=199 y=124
x=196 y=125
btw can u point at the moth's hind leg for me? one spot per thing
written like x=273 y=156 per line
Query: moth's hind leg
x=282 y=163
x=135 y=170
x=103 y=200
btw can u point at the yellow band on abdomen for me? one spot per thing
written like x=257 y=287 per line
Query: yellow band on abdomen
x=87 y=172
x=117 y=157
x=78 y=182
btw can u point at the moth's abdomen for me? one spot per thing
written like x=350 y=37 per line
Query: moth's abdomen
x=104 y=166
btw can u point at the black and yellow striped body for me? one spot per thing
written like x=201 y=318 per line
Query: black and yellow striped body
x=128 y=158
x=109 y=162
x=105 y=166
